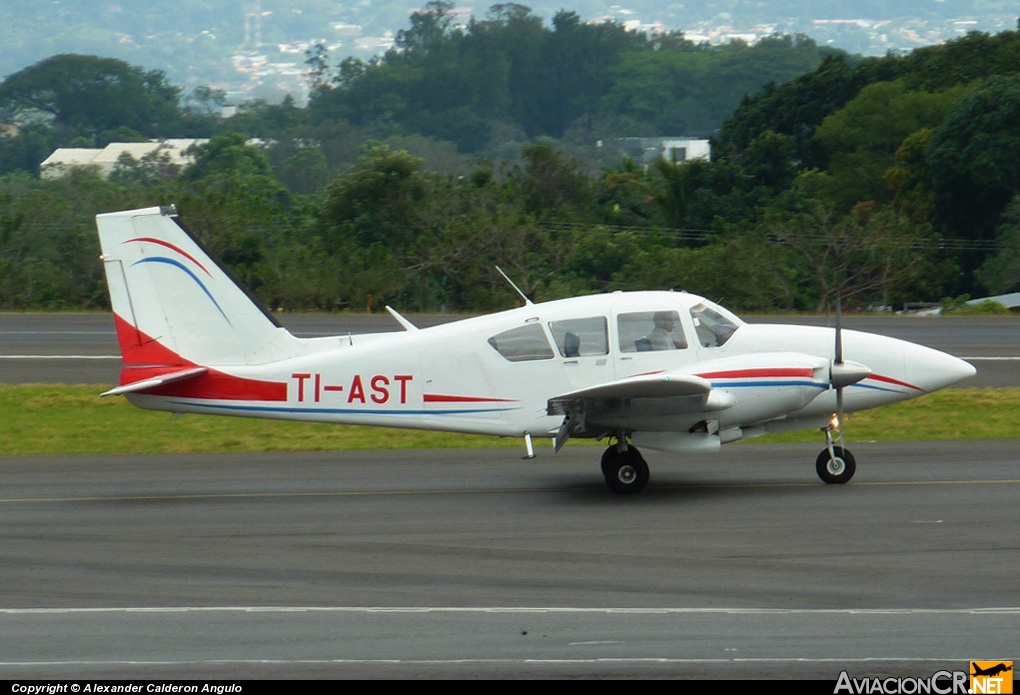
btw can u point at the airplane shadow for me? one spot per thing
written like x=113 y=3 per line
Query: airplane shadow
x=591 y=489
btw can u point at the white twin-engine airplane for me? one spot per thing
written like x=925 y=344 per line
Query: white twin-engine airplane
x=668 y=371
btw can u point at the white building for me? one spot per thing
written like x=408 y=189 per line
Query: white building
x=105 y=160
x=644 y=151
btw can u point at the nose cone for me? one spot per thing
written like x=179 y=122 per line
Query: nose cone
x=932 y=370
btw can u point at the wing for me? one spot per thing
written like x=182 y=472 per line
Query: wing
x=732 y=392
x=613 y=404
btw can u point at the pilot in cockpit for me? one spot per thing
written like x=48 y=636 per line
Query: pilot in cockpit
x=662 y=336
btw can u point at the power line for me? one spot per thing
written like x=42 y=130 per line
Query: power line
x=708 y=235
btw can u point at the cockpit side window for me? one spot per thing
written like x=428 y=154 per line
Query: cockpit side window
x=713 y=328
x=522 y=344
x=647 y=331
x=581 y=337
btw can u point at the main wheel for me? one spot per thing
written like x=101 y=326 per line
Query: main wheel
x=836 y=470
x=626 y=471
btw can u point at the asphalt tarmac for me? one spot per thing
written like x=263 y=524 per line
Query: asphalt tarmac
x=478 y=564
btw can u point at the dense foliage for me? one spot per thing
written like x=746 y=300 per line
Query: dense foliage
x=408 y=178
x=510 y=73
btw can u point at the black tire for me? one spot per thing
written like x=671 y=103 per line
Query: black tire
x=626 y=472
x=608 y=458
x=835 y=471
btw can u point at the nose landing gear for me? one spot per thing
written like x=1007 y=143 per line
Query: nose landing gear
x=835 y=464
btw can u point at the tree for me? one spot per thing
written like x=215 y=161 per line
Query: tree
x=796 y=108
x=48 y=246
x=27 y=149
x=870 y=253
x=429 y=28
x=974 y=156
x=378 y=202
x=306 y=171
x=553 y=185
x=92 y=94
x=1000 y=273
x=978 y=145
x=226 y=155
x=318 y=66
x=771 y=160
x=909 y=178
x=674 y=190
x=860 y=140
x=579 y=56
x=206 y=101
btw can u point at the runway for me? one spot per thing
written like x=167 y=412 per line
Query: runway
x=475 y=563
x=82 y=348
x=478 y=564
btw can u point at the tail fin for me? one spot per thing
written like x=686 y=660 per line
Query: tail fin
x=173 y=304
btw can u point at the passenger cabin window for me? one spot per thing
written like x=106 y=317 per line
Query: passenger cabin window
x=522 y=344
x=713 y=328
x=581 y=337
x=647 y=331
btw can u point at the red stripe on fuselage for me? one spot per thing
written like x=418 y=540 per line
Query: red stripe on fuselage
x=213 y=384
x=897 y=382
x=440 y=398
x=138 y=349
x=759 y=373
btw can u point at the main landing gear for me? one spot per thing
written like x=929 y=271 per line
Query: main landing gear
x=625 y=469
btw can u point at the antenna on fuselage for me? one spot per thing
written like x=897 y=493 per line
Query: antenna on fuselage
x=518 y=289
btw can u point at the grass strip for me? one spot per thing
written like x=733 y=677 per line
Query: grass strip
x=39 y=420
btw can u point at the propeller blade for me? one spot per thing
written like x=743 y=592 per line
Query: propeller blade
x=839 y=411
x=837 y=371
x=839 y=329
x=841 y=372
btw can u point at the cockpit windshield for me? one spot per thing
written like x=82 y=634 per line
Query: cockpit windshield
x=714 y=324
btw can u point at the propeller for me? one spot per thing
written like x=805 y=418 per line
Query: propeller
x=843 y=373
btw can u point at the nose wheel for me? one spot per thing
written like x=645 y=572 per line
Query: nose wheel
x=835 y=465
x=625 y=471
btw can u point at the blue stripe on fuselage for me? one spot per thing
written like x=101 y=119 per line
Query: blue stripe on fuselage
x=338 y=411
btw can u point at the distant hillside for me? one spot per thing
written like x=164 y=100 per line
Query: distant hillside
x=193 y=41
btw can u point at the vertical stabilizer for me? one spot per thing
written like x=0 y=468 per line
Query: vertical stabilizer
x=173 y=304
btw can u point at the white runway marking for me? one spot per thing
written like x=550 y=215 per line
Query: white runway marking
x=994 y=610
x=990 y=359
x=59 y=357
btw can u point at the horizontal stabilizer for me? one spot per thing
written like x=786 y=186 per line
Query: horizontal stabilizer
x=160 y=380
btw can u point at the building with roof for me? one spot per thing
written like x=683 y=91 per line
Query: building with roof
x=176 y=152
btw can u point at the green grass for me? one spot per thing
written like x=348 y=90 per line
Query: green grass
x=73 y=420
x=950 y=414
